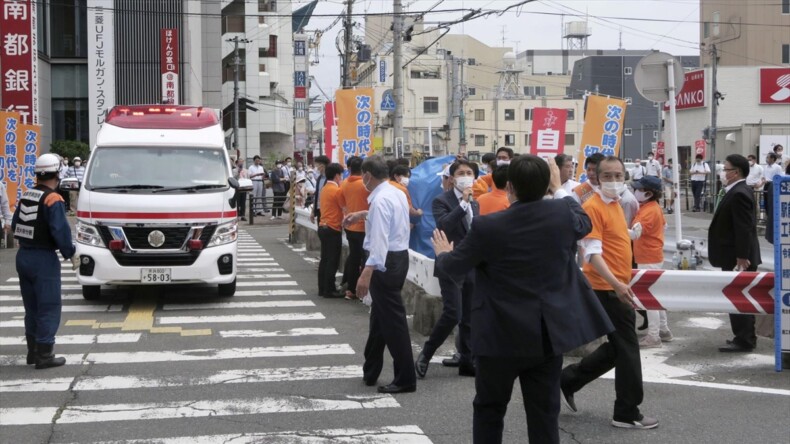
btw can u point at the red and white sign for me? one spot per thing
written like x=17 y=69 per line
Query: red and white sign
x=699 y=148
x=774 y=86
x=693 y=93
x=168 y=52
x=330 y=131
x=548 y=131
x=19 y=59
x=661 y=152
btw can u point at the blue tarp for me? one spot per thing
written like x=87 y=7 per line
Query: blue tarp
x=424 y=186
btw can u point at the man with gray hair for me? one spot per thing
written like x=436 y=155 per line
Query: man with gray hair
x=387 y=244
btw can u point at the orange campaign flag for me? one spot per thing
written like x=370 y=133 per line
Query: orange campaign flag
x=354 y=108
x=604 y=118
x=18 y=156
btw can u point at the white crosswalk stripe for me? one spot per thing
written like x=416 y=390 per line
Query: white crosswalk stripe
x=269 y=324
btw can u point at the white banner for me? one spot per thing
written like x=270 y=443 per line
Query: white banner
x=101 y=63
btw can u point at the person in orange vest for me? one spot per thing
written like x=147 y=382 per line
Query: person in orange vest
x=497 y=199
x=587 y=188
x=485 y=184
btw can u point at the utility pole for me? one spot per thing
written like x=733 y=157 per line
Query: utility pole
x=236 y=62
x=397 y=73
x=712 y=133
x=349 y=31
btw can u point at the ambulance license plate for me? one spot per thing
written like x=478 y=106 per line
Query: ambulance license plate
x=154 y=275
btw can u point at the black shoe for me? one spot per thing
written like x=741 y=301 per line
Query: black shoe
x=392 y=388
x=370 y=382
x=734 y=347
x=31 y=349
x=455 y=361
x=569 y=401
x=243 y=218
x=334 y=295
x=421 y=365
x=466 y=369
x=45 y=358
x=643 y=313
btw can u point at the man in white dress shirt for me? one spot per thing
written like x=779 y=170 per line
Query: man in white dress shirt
x=257 y=174
x=755 y=177
x=653 y=167
x=387 y=244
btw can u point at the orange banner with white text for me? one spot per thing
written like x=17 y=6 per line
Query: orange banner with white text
x=20 y=150
x=354 y=109
x=604 y=118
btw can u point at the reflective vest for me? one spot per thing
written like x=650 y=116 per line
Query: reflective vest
x=31 y=227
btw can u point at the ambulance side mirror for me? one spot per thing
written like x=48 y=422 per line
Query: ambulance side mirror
x=69 y=184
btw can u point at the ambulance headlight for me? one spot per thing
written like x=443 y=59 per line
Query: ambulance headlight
x=88 y=234
x=224 y=234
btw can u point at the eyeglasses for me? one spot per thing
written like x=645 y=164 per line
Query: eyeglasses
x=729 y=169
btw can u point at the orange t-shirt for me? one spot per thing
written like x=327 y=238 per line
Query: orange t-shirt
x=609 y=227
x=331 y=212
x=584 y=191
x=354 y=197
x=492 y=202
x=649 y=249
x=483 y=185
x=400 y=187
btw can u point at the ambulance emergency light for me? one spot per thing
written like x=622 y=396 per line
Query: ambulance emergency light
x=162 y=117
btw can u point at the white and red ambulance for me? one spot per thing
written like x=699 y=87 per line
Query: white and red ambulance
x=157 y=202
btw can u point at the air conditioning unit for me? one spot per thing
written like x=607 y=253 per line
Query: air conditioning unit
x=406 y=149
x=388 y=150
x=426 y=149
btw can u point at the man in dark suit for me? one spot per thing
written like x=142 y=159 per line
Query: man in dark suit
x=454 y=212
x=531 y=302
x=732 y=241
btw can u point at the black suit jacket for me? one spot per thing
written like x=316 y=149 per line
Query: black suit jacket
x=526 y=272
x=451 y=218
x=733 y=229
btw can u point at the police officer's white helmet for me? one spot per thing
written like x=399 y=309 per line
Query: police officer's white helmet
x=47 y=163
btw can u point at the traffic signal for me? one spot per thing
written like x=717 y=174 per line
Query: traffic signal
x=244 y=103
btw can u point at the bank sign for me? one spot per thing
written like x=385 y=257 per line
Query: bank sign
x=693 y=93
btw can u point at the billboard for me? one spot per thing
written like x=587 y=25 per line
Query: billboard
x=101 y=64
x=693 y=93
x=19 y=59
x=169 y=64
x=774 y=86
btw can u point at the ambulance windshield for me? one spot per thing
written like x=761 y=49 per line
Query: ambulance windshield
x=157 y=169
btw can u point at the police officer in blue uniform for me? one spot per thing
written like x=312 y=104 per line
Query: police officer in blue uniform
x=40 y=226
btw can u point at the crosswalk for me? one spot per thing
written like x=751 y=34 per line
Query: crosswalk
x=267 y=351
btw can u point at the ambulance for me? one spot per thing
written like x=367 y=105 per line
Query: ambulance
x=157 y=203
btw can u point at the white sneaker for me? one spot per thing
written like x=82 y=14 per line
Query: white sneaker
x=666 y=336
x=273 y=217
x=644 y=423
x=650 y=342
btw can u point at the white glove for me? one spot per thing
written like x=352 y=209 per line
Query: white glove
x=75 y=262
x=635 y=232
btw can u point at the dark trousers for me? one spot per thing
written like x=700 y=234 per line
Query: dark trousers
x=355 y=259
x=742 y=325
x=456 y=310
x=540 y=388
x=696 y=189
x=241 y=203
x=279 y=200
x=388 y=327
x=620 y=353
x=317 y=212
x=39 y=282
x=331 y=245
x=66 y=199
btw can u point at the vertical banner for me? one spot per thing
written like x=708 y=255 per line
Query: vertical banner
x=781 y=243
x=661 y=152
x=354 y=122
x=699 y=148
x=548 y=131
x=330 y=130
x=301 y=88
x=169 y=65
x=101 y=64
x=19 y=59
x=603 y=129
x=20 y=151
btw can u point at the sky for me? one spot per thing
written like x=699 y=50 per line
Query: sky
x=667 y=25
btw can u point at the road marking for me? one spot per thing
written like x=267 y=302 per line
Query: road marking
x=261 y=270
x=268 y=334
x=190 y=409
x=62 y=287
x=80 y=339
x=408 y=434
x=224 y=305
x=263 y=276
x=65 y=297
x=266 y=284
x=62 y=279
x=72 y=309
x=288 y=292
x=255 y=259
x=241 y=376
x=709 y=323
x=166 y=320
x=192 y=355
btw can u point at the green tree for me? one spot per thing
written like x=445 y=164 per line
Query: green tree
x=70 y=149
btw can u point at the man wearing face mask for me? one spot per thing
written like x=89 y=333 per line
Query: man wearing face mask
x=732 y=241
x=653 y=167
x=77 y=171
x=782 y=158
x=607 y=254
x=454 y=212
x=755 y=177
x=399 y=178
x=699 y=175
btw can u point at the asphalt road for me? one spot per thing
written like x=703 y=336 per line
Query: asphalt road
x=278 y=364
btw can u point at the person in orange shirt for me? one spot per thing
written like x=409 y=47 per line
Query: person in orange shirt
x=497 y=199
x=354 y=197
x=485 y=182
x=607 y=251
x=647 y=232
x=329 y=232
x=399 y=178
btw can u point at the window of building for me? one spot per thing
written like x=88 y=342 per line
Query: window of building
x=570 y=139
x=786 y=53
x=535 y=91
x=480 y=115
x=706 y=30
x=41 y=11
x=232 y=23
x=70 y=119
x=655 y=134
x=571 y=114
x=471 y=62
x=528 y=114
x=510 y=114
x=272 y=50
x=430 y=105
x=526 y=140
x=480 y=140
x=472 y=91
x=227 y=66
x=785 y=7
x=628 y=132
x=227 y=117
x=628 y=70
x=267 y=6
x=69 y=32
x=716 y=19
x=510 y=139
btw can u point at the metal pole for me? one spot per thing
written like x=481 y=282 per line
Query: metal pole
x=349 y=28
x=236 y=62
x=673 y=146
x=397 y=72
x=713 y=115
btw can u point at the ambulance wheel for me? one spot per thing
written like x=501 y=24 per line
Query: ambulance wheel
x=227 y=290
x=91 y=292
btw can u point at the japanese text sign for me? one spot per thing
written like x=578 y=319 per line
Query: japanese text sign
x=168 y=64
x=19 y=59
x=101 y=63
x=603 y=128
x=18 y=156
x=355 y=122
x=781 y=220
x=693 y=93
x=330 y=130
x=548 y=131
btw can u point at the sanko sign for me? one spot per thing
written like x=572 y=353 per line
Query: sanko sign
x=693 y=93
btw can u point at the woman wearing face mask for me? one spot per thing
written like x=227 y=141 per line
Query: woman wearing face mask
x=647 y=232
